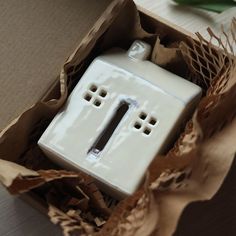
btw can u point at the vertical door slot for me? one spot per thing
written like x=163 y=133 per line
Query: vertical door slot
x=104 y=137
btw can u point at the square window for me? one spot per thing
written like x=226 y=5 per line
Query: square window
x=137 y=125
x=152 y=121
x=103 y=93
x=147 y=131
x=93 y=88
x=87 y=97
x=143 y=115
x=97 y=103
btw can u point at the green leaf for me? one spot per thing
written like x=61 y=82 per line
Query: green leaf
x=191 y=2
x=215 y=7
x=211 y=5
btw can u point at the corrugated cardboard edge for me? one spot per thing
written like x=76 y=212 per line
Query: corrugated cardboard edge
x=100 y=27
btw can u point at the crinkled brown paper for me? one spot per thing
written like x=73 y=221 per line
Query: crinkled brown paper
x=193 y=170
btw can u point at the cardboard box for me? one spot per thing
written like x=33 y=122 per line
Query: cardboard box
x=119 y=25
x=36 y=39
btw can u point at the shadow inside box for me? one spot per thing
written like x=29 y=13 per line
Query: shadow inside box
x=214 y=217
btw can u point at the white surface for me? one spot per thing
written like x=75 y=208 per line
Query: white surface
x=19 y=219
x=147 y=89
x=191 y=19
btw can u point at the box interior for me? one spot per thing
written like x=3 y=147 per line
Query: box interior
x=114 y=34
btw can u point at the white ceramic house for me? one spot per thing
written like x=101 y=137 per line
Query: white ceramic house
x=123 y=112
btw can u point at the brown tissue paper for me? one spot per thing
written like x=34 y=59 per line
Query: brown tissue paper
x=193 y=170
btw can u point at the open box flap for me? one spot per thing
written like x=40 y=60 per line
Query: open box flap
x=36 y=37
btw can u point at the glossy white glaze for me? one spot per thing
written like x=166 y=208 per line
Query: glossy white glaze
x=158 y=101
